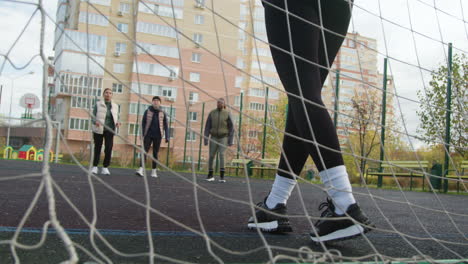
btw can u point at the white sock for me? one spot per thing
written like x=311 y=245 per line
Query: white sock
x=338 y=187
x=280 y=191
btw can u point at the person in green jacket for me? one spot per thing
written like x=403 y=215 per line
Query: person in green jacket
x=220 y=126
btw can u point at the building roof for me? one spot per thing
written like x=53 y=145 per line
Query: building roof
x=26 y=148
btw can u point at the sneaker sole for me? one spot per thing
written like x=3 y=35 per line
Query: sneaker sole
x=138 y=174
x=272 y=226
x=210 y=180
x=343 y=234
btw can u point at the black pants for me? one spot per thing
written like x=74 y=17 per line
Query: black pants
x=147 y=141
x=108 y=137
x=307 y=42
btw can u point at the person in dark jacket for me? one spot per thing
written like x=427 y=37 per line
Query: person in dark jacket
x=154 y=128
x=220 y=126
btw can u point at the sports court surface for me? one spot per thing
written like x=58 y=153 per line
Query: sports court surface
x=408 y=223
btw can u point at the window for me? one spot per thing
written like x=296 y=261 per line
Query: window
x=99 y=2
x=198 y=38
x=160 y=50
x=171 y=132
x=156 y=69
x=120 y=47
x=196 y=57
x=193 y=116
x=117 y=88
x=194 y=77
x=93 y=19
x=161 y=10
x=239 y=80
x=156 y=29
x=256 y=106
x=76 y=84
x=199 y=19
x=253 y=133
x=78 y=41
x=78 y=124
x=122 y=27
x=191 y=136
x=251 y=148
x=133 y=109
x=119 y=68
x=170 y=111
x=237 y=100
x=82 y=102
x=193 y=97
x=154 y=89
x=256 y=92
x=133 y=129
x=240 y=63
x=124 y=7
x=272 y=81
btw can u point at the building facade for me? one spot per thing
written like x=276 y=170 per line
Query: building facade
x=188 y=55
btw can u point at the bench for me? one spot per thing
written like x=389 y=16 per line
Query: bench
x=240 y=164
x=463 y=177
x=59 y=157
x=406 y=169
x=266 y=164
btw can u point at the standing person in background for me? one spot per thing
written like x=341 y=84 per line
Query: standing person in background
x=220 y=126
x=154 y=125
x=105 y=121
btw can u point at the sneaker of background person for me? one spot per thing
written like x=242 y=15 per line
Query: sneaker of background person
x=140 y=172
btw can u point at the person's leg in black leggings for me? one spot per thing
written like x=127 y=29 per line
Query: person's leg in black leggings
x=98 y=140
x=109 y=144
x=306 y=40
x=302 y=77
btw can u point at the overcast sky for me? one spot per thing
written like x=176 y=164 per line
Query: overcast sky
x=431 y=27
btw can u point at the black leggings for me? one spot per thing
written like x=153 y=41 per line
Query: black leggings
x=108 y=137
x=307 y=42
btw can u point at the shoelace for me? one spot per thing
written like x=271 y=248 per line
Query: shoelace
x=328 y=212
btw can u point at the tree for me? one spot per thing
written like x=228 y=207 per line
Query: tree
x=366 y=116
x=432 y=109
x=274 y=137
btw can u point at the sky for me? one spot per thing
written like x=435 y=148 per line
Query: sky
x=431 y=26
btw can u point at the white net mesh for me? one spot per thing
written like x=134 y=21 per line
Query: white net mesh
x=190 y=53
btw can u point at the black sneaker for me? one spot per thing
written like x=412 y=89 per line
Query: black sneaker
x=329 y=229
x=269 y=222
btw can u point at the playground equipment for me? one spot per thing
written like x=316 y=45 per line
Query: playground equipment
x=28 y=152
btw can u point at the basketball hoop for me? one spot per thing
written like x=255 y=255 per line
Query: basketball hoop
x=29 y=101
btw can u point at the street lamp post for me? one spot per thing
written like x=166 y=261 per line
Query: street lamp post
x=11 y=103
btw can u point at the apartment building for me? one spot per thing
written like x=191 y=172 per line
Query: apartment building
x=189 y=56
x=358 y=77
x=141 y=49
